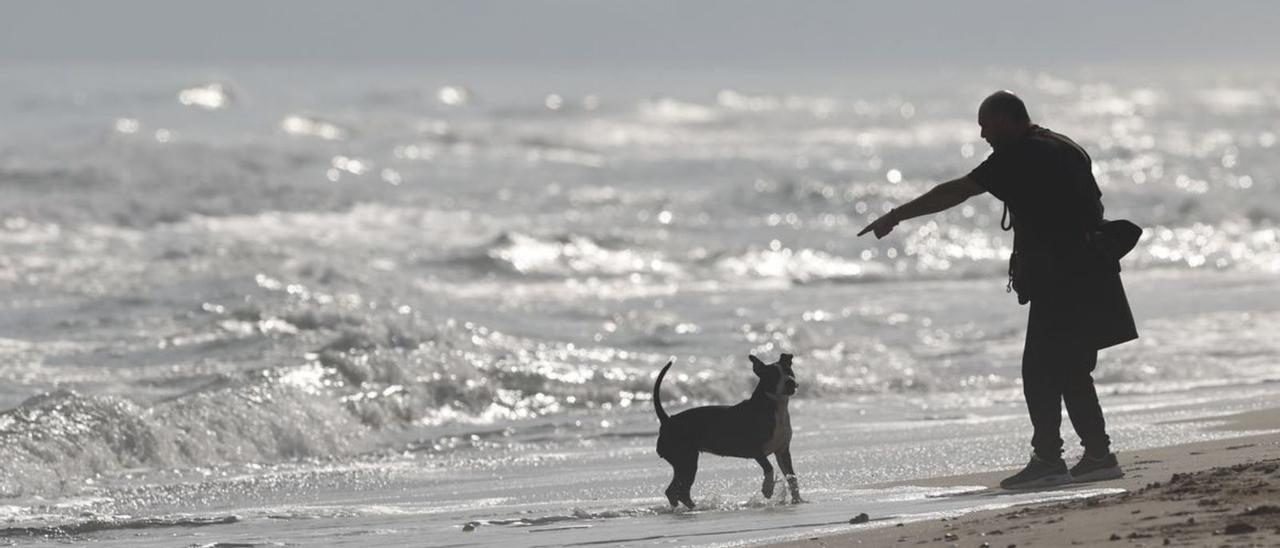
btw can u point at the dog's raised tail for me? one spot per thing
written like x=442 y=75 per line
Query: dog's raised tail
x=657 y=400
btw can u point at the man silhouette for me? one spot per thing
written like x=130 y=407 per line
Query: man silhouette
x=1078 y=305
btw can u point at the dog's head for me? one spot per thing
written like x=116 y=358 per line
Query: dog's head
x=776 y=379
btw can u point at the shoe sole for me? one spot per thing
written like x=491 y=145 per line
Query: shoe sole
x=1101 y=474
x=1046 y=481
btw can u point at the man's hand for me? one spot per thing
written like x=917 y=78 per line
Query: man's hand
x=882 y=226
x=943 y=196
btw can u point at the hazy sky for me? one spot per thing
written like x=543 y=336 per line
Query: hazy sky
x=689 y=33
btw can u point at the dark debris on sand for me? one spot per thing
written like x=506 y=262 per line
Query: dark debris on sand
x=1213 y=506
x=1226 y=506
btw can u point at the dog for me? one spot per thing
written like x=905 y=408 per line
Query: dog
x=753 y=429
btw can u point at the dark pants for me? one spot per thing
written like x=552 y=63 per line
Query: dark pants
x=1057 y=367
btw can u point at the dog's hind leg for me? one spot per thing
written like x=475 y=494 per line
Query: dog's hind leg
x=784 y=462
x=766 y=488
x=686 y=468
x=673 y=489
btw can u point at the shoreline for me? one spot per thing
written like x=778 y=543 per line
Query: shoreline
x=1219 y=492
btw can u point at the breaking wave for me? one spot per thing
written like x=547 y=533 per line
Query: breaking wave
x=207 y=273
x=77 y=529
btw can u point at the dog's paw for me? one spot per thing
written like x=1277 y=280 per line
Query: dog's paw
x=767 y=489
x=795 y=499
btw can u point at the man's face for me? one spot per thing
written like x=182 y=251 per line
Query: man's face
x=997 y=131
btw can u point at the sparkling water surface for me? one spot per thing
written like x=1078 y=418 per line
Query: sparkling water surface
x=320 y=306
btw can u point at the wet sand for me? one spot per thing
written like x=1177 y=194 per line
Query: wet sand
x=1217 y=493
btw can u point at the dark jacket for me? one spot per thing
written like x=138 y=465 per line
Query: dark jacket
x=1046 y=181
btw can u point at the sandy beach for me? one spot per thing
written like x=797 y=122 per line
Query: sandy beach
x=1217 y=493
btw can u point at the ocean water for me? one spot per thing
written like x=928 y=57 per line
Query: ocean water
x=322 y=306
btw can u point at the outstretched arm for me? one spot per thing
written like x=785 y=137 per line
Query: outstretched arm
x=939 y=198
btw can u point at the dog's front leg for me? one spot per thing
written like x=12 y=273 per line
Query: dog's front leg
x=784 y=462
x=766 y=488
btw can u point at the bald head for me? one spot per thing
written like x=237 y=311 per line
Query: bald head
x=1003 y=117
x=1004 y=104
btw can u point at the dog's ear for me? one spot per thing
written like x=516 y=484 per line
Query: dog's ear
x=757 y=366
x=785 y=359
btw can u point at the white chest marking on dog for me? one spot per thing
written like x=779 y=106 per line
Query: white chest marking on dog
x=781 y=435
